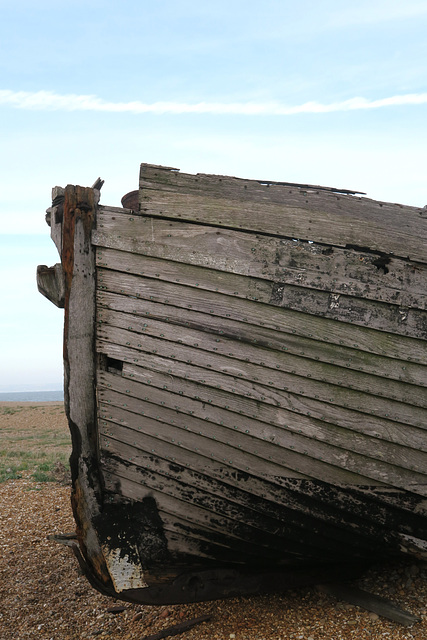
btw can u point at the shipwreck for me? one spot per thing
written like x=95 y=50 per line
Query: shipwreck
x=245 y=382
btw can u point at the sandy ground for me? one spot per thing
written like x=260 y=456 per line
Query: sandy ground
x=43 y=595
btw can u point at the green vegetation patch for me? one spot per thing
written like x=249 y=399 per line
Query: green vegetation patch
x=35 y=442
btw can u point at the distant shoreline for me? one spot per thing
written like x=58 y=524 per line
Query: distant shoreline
x=31 y=403
x=32 y=396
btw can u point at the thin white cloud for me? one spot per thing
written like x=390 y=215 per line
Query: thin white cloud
x=50 y=101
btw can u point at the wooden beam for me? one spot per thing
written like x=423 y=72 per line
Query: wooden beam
x=78 y=263
x=370 y=602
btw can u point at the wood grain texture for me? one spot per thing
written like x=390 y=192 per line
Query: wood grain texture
x=289 y=262
x=50 y=283
x=78 y=266
x=393 y=318
x=305 y=214
x=251 y=381
x=246 y=366
x=255 y=313
x=274 y=361
x=321 y=349
x=278 y=445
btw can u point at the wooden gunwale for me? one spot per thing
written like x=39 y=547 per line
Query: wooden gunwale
x=318 y=215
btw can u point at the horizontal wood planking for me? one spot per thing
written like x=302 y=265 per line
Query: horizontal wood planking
x=257 y=382
x=296 y=502
x=268 y=516
x=285 y=262
x=114 y=390
x=377 y=315
x=370 y=537
x=340 y=427
x=255 y=313
x=266 y=357
x=197 y=444
x=190 y=438
x=270 y=444
x=258 y=443
x=313 y=215
x=229 y=528
x=194 y=488
x=319 y=350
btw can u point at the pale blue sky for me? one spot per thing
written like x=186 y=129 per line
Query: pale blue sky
x=324 y=91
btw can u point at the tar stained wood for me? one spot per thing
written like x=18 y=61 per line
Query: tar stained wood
x=257 y=342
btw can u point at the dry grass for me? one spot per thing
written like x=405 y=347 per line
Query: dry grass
x=34 y=439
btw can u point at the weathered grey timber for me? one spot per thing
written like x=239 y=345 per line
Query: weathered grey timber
x=245 y=372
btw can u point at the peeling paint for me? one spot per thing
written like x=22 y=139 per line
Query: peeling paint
x=124 y=573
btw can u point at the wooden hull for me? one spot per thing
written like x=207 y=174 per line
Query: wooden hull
x=245 y=369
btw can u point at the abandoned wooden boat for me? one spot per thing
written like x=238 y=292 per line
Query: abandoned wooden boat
x=245 y=373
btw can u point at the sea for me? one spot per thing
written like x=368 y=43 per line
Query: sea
x=32 y=396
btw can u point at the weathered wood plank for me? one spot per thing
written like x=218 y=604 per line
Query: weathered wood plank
x=50 y=283
x=309 y=265
x=54 y=216
x=177 y=629
x=251 y=380
x=223 y=502
x=296 y=464
x=231 y=525
x=78 y=264
x=402 y=502
x=370 y=602
x=191 y=530
x=267 y=357
x=348 y=357
x=341 y=428
x=237 y=451
x=255 y=313
x=377 y=315
x=265 y=454
x=300 y=414
x=325 y=442
x=319 y=216
x=265 y=498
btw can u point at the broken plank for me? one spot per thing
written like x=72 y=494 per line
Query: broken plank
x=189 y=381
x=177 y=628
x=254 y=380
